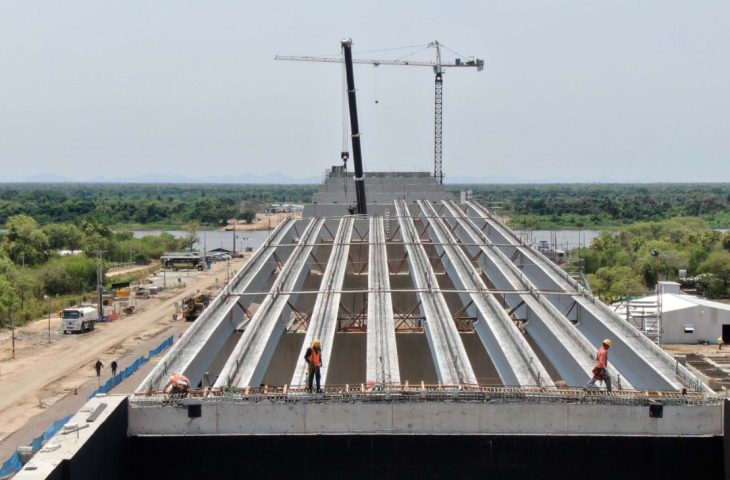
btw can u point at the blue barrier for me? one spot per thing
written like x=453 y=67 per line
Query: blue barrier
x=12 y=465
x=130 y=370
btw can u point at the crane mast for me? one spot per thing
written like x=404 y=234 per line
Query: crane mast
x=438 y=172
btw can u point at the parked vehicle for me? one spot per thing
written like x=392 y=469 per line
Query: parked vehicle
x=183 y=261
x=79 y=319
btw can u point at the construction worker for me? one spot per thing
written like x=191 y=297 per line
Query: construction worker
x=600 y=373
x=98 y=366
x=177 y=385
x=114 y=368
x=720 y=343
x=313 y=357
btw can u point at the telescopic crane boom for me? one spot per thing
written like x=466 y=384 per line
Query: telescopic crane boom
x=438 y=67
x=362 y=208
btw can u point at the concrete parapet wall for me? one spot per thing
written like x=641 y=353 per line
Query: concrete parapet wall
x=221 y=417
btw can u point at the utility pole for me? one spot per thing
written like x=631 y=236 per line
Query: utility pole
x=235 y=223
x=99 y=283
x=12 y=328
x=47 y=297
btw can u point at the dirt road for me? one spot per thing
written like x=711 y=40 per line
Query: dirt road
x=44 y=373
x=261 y=222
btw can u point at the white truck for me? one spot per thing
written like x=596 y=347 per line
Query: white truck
x=79 y=319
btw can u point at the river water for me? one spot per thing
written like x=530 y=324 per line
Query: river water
x=209 y=239
x=561 y=239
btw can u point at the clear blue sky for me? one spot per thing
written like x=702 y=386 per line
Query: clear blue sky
x=633 y=90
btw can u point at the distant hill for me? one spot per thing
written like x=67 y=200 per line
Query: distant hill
x=274 y=178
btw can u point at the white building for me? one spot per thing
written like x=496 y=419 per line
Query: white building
x=684 y=318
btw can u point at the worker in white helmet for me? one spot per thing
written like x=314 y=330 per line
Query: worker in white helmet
x=600 y=372
x=313 y=357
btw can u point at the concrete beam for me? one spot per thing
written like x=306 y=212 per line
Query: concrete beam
x=382 y=352
x=450 y=358
x=225 y=417
x=512 y=356
x=248 y=362
x=570 y=352
x=323 y=322
x=640 y=361
x=195 y=351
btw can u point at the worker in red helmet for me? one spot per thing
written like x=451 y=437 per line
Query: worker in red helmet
x=177 y=385
x=600 y=372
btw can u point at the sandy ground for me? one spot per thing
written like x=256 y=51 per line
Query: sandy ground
x=122 y=271
x=262 y=222
x=43 y=374
x=706 y=350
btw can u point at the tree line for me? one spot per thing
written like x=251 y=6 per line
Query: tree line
x=591 y=205
x=143 y=204
x=59 y=260
x=631 y=260
x=528 y=206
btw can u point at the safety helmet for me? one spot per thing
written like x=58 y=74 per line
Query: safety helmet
x=607 y=342
x=316 y=343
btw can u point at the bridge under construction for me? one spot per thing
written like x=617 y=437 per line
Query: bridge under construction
x=449 y=346
x=441 y=331
x=435 y=293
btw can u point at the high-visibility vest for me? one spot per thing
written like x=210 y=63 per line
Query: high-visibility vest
x=316 y=358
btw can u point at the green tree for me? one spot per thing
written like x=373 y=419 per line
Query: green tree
x=64 y=236
x=613 y=283
x=26 y=243
x=248 y=216
x=717 y=264
x=69 y=274
x=9 y=300
x=726 y=241
x=191 y=234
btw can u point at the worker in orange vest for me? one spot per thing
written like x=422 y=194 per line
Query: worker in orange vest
x=313 y=357
x=600 y=373
x=178 y=384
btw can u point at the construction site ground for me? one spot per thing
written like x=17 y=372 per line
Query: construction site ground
x=46 y=382
x=711 y=364
x=261 y=222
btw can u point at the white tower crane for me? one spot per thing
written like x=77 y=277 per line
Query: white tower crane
x=438 y=67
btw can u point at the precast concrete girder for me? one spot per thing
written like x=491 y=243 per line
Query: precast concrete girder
x=449 y=355
x=543 y=273
x=639 y=360
x=512 y=356
x=323 y=321
x=570 y=353
x=249 y=360
x=382 y=352
x=192 y=354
